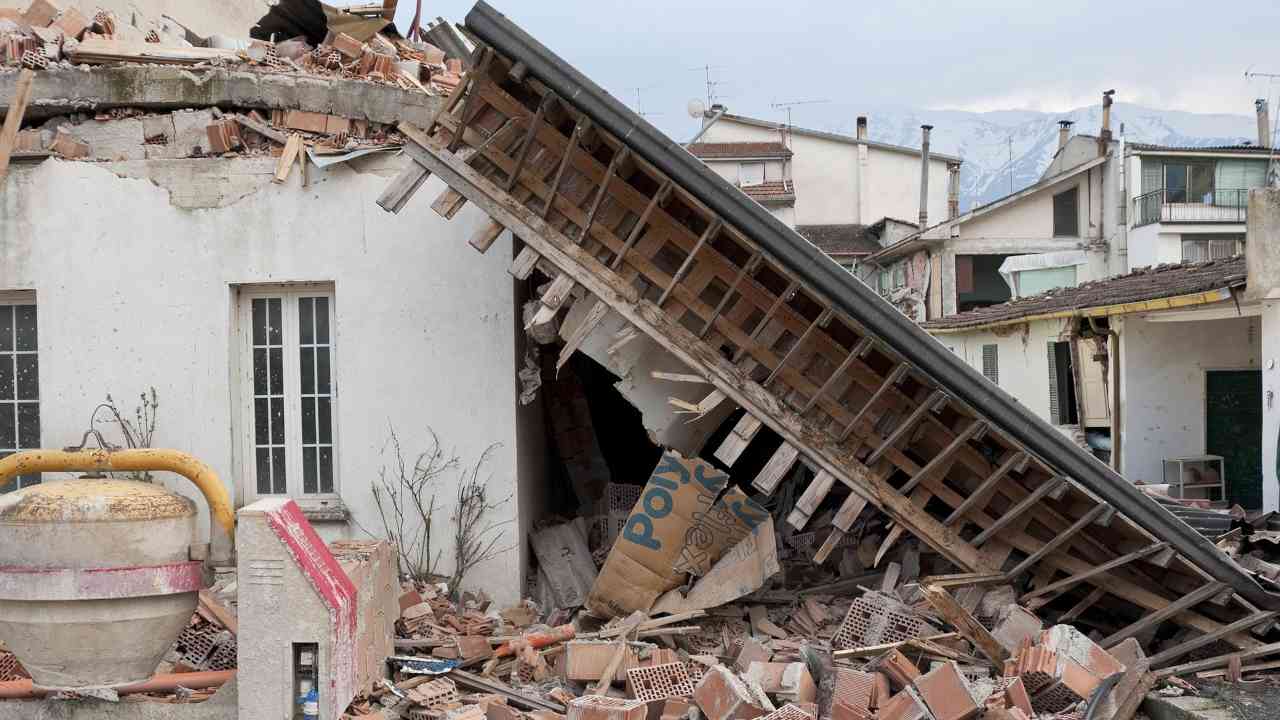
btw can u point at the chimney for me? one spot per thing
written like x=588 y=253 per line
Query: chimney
x=924 y=175
x=862 y=127
x=1264 y=122
x=1064 y=132
x=1104 y=137
x=953 y=191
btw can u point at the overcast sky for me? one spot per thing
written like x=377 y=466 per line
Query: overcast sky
x=859 y=56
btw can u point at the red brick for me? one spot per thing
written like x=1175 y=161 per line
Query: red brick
x=722 y=695
x=471 y=647
x=71 y=23
x=501 y=711
x=788 y=712
x=40 y=13
x=68 y=146
x=350 y=47
x=1015 y=694
x=224 y=136
x=899 y=669
x=840 y=710
x=675 y=708
x=659 y=682
x=600 y=707
x=856 y=688
x=408 y=599
x=792 y=681
x=752 y=651
x=882 y=691
x=946 y=693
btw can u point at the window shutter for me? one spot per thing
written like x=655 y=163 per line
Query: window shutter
x=991 y=363
x=1054 y=411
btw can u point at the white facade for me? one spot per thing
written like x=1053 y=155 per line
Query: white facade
x=134 y=290
x=842 y=180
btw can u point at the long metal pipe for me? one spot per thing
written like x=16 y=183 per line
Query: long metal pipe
x=25 y=689
x=924 y=175
x=221 y=513
x=857 y=301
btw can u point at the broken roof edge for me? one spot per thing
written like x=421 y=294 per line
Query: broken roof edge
x=856 y=300
x=165 y=87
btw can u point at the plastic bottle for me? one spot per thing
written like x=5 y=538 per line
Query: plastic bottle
x=309 y=701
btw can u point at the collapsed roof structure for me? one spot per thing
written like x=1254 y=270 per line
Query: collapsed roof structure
x=629 y=223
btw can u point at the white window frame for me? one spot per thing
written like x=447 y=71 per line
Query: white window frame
x=9 y=298
x=243 y=389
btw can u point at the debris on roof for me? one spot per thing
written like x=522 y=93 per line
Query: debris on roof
x=772 y=192
x=1152 y=283
x=849 y=239
x=735 y=150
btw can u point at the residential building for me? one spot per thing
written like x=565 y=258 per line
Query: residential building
x=1126 y=365
x=844 y=191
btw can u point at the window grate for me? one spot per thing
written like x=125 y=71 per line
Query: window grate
x=991 y=363
x=1054 y=409
x=268 y=395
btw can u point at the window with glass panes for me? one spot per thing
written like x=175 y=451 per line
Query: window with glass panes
x=19 y=386
x=290 y=338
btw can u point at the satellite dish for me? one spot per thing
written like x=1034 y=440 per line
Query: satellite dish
x=697 y=108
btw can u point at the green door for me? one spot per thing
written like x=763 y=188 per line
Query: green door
x=1233 y=429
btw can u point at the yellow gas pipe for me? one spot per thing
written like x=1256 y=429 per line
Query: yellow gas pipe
x=135 y=460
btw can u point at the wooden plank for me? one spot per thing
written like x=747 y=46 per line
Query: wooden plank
x=287 y=157
x=484 y=238
x=810 y=499
x=905 y=428
x=733 y=445
x=1017 y=511
x=13 y=120
x=1214 y=662
x=522 y=154
x=580 y=333
x=641 y=223
x=965 y=624
x=984 y=491
x=1183 y=648
x=397 y=194
x=1094 y=571
x=1057 y=540
x=974 y=429
x=749 y=267
x=823 y=318
x=1155 y=618
x=97 y=51
x=777 y=467
x=524 y=263
x=778 y=302
x=609 y=174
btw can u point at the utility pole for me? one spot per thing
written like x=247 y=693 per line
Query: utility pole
x=788 y=105
x=1010 y=139
x=711 y=84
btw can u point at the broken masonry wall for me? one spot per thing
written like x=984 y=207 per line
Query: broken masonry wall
x=134 y=292
x=231 y=18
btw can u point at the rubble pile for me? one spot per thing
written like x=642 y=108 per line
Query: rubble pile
x=46 y=36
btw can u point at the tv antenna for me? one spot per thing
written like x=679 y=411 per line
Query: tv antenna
x=712 y=85
x=794 y=103
x=639 y=105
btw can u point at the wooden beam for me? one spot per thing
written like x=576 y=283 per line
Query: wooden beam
x=1057 y=540
x=1016 y=511
x=287 y=157
x=747 y=268
x=906 y=427
x=522 y=154
x=707 y=234
x=397 y=194
x=1098 y=570
x=810 y=499
x=1155 y=618
x=983 y=492
x=1214 y=662
x=1181 y=649
x=777 y=467
x=733 y=445
x=783 y=297
x=893 y=378
x=965 y=624
x=975 y=428
x=524 y=263
x=641 y=222
x=609 y=174
x=823 y=318
x=858 y=351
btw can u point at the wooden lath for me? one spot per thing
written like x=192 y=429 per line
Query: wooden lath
x=611 y=229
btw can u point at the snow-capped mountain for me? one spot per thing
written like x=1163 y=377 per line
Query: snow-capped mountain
x=983 y=139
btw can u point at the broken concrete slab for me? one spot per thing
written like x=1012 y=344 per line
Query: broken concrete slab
x=59 y=91
x=562 y=552
x=1186 y=707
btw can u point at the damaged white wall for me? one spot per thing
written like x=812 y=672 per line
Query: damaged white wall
x=134 y=291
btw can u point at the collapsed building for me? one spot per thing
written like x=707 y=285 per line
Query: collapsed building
x=808 y=439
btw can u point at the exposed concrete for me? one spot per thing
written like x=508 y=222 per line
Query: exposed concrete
x=1187 y=707
x=208 y=183
x=1262 y=244
x=158 y=87
x=231 y=18
x=222 y=706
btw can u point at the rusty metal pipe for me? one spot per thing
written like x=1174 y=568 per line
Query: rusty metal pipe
x=222 y=515
x=24 y=689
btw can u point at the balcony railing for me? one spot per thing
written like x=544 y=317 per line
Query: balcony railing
x=1166 y=205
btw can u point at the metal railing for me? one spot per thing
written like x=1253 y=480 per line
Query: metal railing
x=1165 y=205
